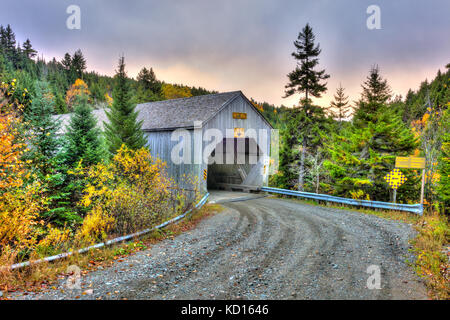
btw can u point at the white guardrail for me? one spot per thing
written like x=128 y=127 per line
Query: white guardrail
x=414 y=208
x=112 y=241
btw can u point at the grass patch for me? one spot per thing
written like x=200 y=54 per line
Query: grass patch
x=432 y=263
x=43 y=276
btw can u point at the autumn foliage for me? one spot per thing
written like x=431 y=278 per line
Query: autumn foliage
x=169 y=91
x=77 y=89
x=130 y=193
x=19 y=201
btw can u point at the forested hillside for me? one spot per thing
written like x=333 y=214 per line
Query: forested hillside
x=22 y=63
x=346 y=149
x=59 y=192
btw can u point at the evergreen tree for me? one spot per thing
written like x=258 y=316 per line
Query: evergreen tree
x=361 y=155
x=42 y=127
x=147 y=79
x=82 y=136
x=9 y=42
x=444 y=163
x=376 y=93
x=340 y=106
x=44 y=146
x=69 y=70
x=148 y=86
x=123 y=127
x=293 y=144
x=2 y=39
x=28 y=49
x=67 y=61
x=305 y=119
x=78 y=64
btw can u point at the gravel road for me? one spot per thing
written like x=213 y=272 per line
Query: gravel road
x=264 y=248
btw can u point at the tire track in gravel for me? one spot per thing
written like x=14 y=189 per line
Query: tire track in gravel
x=273 y=231
x=234 y=238
x=224 y=261
x=266 y=249
x=293 y=284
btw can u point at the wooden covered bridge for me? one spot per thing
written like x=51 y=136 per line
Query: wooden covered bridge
x=222 y=139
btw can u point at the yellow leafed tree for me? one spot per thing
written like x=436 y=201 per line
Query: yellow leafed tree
x=77 y=89
x=174 y=91
x=19 y=207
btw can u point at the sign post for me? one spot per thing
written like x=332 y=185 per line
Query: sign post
x=413 y=163
x=422 y=188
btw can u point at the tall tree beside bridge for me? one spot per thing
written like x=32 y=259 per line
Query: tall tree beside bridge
x=306 y=120
x=362 y=154
x=123 y=127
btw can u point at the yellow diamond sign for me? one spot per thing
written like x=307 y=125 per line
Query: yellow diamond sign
x=395 y=178
x=239 y=132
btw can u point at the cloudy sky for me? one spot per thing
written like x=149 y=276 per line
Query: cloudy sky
x=243 y=44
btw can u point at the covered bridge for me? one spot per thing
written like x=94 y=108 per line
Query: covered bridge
x=222 y=139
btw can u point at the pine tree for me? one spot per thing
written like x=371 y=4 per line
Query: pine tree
x=78 y=63
x=376 y=93
x=44 y=146
x=28 y=49
x=67 y=61
x=82 y=139
x=148 y=86
x=42 y=130
x=364 y=153
x=444 y=163
x=2 y=39
x=69 y=71
x=10 y=43
x=340 y=106
x=123 y=127
x=306 y=118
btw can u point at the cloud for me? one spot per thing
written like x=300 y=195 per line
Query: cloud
x=246 y=45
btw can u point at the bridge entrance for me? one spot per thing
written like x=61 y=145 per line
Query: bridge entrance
x=236 y=164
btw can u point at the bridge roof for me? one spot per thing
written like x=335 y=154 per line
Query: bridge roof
x=171 y=114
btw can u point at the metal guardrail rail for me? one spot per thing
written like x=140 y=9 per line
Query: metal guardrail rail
x=414 y=208
x=112 y=241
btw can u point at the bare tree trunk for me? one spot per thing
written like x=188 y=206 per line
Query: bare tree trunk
x=317 y=181
x=301 y=174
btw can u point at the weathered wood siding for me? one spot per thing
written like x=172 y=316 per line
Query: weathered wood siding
x=161 y=145
x=224 y=120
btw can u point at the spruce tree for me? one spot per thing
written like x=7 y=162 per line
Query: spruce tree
x=10 y=43
x=306 y=118
x=28 y=49
x=148 y=87
x=376 y=93
x=364 y=153
x=78 y=64
x=339 y=108
x=83 y=137
x=45 y=157
x=444 y=163
x=2 y=39
x=123 y=127
x=67 y=61
x=42 y=128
